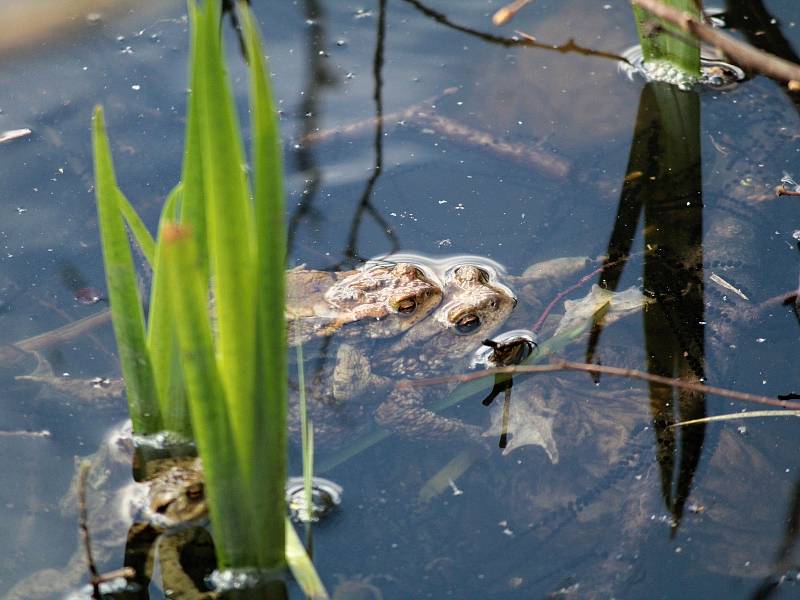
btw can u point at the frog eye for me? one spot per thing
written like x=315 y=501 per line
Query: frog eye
x=407 y=306
x=418 y=273
x=467 y=324
x=195 y=492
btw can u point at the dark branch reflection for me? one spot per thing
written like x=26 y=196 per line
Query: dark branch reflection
x=365 y=207
x=318 y=79
x=663 y=182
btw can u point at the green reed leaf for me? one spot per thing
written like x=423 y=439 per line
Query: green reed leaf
x=270 y=405
x=302 y=568
x=230 y=232
x=226 y=491
x=127 y=315
x=662 y=41
x=162 y=339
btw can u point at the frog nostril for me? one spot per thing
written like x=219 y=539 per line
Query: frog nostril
x=468 y=324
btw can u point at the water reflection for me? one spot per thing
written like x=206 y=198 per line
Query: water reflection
x=663 y=183
x=319 y=79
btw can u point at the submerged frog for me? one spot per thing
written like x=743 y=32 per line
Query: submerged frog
x=382 y=299
x=153 y=514
x=475 y=306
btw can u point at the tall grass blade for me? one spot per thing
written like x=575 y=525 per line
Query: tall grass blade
x=230 y=232
x=162 y=339
x=269 y=457
x=301 y=566
x=666 y=42
x=127 y=315
x=227 y=494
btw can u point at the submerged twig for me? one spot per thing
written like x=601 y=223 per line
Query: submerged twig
x=44 y=433
x=453 y=130
x=744 y=54
x=83 y=525
x=54 y=336
x=368 y=124
x=733 y=416
x=565 y=365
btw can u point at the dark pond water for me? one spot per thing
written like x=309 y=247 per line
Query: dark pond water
x=576 y=164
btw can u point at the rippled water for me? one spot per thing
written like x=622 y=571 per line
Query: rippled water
x=528 y=159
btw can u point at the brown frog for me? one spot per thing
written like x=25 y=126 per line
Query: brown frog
x=382 y=299
x=165 y=510
x=475 y=306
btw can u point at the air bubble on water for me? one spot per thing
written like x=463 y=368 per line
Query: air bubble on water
x=715 y=74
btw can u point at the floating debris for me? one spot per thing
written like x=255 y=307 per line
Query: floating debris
x=13 y=134
x=88 y=295
x=325 y=496
x=724 y=284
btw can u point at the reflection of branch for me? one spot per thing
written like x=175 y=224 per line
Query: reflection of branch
x=565 y=365
x=744 y=54
x=566 y=48
x=365 y=204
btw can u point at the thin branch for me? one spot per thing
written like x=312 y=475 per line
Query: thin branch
x=83 y=525
x=744 y=54
x=565 y=365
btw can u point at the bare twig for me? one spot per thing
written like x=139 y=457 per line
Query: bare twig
x=567 y=47
x=83 y=525
x=564 y=365
x=508 y=12
x=742 y=53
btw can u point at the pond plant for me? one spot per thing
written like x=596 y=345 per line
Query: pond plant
x=665 y=48
x=217 y=375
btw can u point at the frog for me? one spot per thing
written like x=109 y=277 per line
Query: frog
x=370 y=383
x=380 y=300
x=163 y=512
x=475 y=305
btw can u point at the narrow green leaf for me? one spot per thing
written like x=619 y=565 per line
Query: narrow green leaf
x=126 y=315
x=137 y=227
x=302 y=568
x=162 y=338
x=193 y=206
x=270 y=405
x=230 y=233
x=226 y=491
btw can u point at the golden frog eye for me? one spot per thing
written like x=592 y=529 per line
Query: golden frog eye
x=407 y=306
x=195 y=491
x=467 y=324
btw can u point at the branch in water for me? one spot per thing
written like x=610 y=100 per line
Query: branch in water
x=565 y=365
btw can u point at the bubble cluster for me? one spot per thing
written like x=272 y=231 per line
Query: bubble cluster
x=714 y=74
